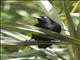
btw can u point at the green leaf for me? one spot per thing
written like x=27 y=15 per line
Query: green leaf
x=41 y=32
x=69 y=19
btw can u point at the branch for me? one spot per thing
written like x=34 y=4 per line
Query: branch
x=30 y=42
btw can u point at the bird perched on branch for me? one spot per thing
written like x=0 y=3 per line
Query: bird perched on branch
x=47 y=23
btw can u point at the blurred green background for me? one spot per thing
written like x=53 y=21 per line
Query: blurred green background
x=22 y=12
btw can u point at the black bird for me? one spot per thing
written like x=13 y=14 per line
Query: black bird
x=47 y=23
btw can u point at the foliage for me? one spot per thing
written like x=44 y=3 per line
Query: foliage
x=18 y=25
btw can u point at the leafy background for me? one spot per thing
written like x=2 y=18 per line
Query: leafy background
x=18 y=25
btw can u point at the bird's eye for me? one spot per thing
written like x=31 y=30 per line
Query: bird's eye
x=45 y=17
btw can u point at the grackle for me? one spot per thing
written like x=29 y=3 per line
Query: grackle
x=47 y=23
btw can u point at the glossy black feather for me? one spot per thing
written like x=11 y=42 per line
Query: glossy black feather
x=47 y=23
